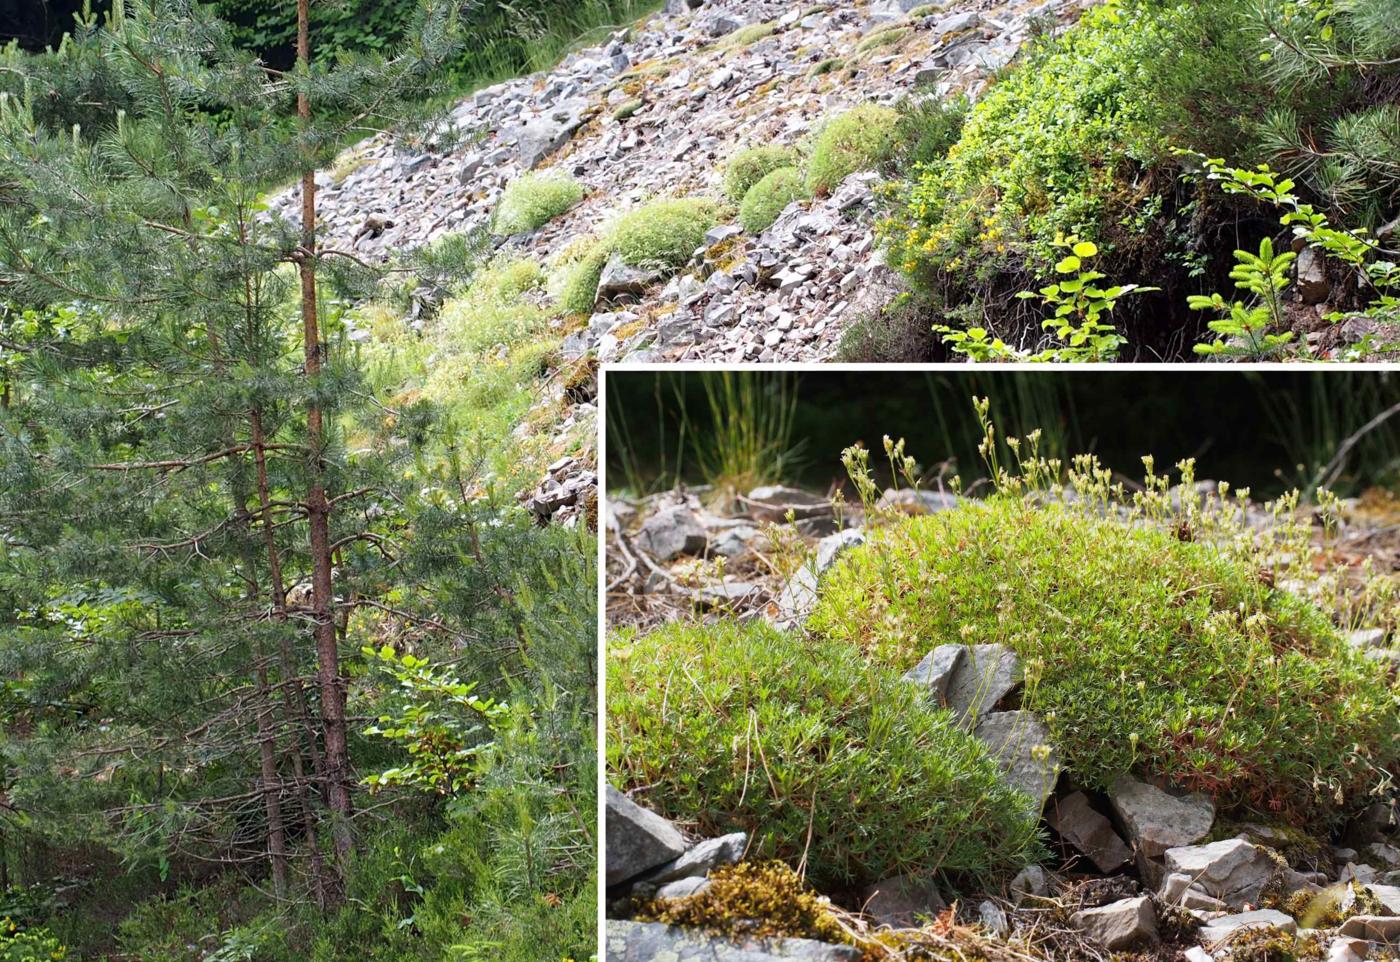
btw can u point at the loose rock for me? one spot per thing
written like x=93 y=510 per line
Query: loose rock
x=638 y=839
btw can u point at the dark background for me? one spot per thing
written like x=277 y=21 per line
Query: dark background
x=1270 y=430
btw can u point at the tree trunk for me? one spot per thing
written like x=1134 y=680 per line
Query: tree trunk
x=337 y=762
x=293 y=694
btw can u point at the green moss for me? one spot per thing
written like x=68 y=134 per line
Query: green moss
x=826 y=66
x=859 y=139
x=747 y=35
x=751 y=164
x=628 y=109
x=767 y=198
x=662 y=233
x=535 y=199
x=742 y=727
x=886 y=37
x=1144 y=653
x=578 y=280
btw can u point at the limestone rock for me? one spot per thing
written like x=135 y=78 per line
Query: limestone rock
x=1157 y=820
x=1030 y=882
x=909 y=501
x=1020 y=743
x=1181 y=890
x=1089 y=832
x=935 y=671
x=1120 y=925
x=671 y=533
x=700 y=860
x=1233 y=870
x=620 y=279
x=638 y=839
x=987 y=675
x=1377 y=928
x=900 y=902
x=683 y=887
x=654 y=942
x=1223 y=928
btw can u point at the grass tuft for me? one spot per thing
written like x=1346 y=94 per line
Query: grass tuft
x=534 y=199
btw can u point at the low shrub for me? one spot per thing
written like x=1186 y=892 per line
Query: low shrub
x=534 y=199
x=577 y=289
x=767 y=198
x=751 y=164
x=1067 y=141
x=1145 y=650
x=858 y=139
x=29 y=945
x=820 y=757
x=663 y=233
x=494 y=309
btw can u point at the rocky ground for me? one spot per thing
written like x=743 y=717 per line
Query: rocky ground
x=656 y=110
x=1139 y=870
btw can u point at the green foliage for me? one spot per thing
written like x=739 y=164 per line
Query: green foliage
x=1049 y=149
x=1264 y=275
x=769 y=197
x=442 y=725
x=662 y=233
x=534 y=199
x=578 y=280
x=928 y=127
x=29 y=945
x=751 y=164
x=1200 y=671
x=861 y=138
x=820 y=755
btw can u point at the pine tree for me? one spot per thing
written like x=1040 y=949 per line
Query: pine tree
x=186 y=467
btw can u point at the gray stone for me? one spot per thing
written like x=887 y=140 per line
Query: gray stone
x=537 y=139
x=773 y=502
x=833 y=546
x=1197 y=954
x=1234 y=871
x=654 y=942
x=1021 y=746
x=1180 y=890
x=1312 y=277
x=1120 y=925
x=701 y=859
x=1348 y=950
x=799 y=596
x=1379 y=852
x=987 y=675
x=935 y=670
x=638 y=839
x=620 y=279
x=1364 y=638
x=1388 y=896
x=1221 y=929
x=900 y=902
x=1030 y=882
x=910 y=501
x=671 y=533
x=1089 y=832
x=683 y=888
x=1157 y=820
x=1377 y=928
x=993 y=918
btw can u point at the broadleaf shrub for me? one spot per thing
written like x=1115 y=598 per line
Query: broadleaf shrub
x=744 y=727
x=1145 y=650
x=767 y=198
x=859 y=139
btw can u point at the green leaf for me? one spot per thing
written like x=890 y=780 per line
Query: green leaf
x=1068 y=266
x=1085 y=249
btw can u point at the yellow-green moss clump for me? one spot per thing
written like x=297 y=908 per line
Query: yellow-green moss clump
x=1144 y=652
x=750 y=900
x=768 y=198
x=662 y=233
x=810 y=749
x=751 y=164
x=859 y=139
x=533 y=200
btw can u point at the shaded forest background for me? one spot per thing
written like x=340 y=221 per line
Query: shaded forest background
x=1270 y=430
